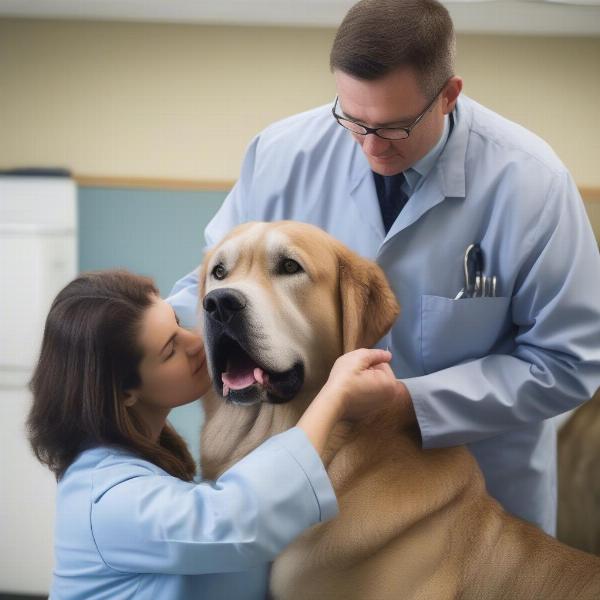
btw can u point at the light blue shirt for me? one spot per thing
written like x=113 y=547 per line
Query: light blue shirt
x=126 y=529
x=419 y=171
x=486 y=372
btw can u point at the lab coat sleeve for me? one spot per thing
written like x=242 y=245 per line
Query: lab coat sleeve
x=555 y=364
x=184 y=295
x=184 y=299
x=143 y=522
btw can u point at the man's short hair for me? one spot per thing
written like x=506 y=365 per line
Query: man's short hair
x=377 y=37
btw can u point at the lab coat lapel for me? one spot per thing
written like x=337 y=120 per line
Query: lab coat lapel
x=445 y=180
x=363 y=193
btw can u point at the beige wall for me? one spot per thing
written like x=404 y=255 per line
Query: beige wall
x=151 y=100
x=173 y=101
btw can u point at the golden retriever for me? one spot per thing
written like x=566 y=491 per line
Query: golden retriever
x=282 y=301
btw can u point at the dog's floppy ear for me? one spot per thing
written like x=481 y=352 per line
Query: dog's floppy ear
x=369 y=307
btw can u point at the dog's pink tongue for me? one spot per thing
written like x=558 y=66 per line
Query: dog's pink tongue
x=238 y=381
x=242 y=379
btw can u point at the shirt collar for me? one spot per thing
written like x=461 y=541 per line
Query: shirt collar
x=452 y=160
x=422 y=167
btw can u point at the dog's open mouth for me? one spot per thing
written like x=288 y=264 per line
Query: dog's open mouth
x=241 y=379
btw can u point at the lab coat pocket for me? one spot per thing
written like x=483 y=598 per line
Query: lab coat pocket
x=453 y=331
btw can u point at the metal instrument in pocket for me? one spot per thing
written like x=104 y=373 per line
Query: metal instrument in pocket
x=477 y=285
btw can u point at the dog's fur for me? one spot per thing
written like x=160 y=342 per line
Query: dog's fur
x=413 y=524
x=579 y=478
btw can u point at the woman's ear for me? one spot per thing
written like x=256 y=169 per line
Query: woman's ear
x=130 y=397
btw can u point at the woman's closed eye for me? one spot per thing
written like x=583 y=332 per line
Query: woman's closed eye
x=174 y=340
x=173 y=348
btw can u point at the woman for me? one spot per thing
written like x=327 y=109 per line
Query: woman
x=130 y=521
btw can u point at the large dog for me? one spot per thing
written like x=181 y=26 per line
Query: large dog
x=282 y=301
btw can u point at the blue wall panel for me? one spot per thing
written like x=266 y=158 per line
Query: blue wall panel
x=150 y=232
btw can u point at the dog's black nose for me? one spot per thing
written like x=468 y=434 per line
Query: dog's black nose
x=223 y=304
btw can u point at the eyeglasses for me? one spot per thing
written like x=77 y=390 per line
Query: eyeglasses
x=386 y=133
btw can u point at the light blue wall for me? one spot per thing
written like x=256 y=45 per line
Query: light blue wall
x=151 y=232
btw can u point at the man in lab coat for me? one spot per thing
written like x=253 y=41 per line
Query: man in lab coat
x=410 y=173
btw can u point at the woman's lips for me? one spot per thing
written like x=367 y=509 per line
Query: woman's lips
x=199 y=367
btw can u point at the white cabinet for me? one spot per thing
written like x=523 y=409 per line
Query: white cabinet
x=38 y=256
x=27 y=497
x=35 y=263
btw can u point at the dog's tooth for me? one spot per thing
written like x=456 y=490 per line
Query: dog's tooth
x=259 y=375
x=225 y=390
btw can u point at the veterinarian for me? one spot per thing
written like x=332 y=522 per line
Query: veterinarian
x=442 y=192
x=130 y=521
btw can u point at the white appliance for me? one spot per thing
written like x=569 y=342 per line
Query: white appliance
x=38 y=256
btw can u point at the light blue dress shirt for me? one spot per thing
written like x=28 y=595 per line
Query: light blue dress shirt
x=486 y=372
x=125 y=529
x=419 y=171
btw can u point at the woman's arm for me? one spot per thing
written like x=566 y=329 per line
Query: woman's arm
x=144 y=522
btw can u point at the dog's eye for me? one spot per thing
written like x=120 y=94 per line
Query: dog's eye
x=219 y=272
x=289 y=266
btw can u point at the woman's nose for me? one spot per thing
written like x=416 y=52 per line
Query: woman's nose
x=194 y=344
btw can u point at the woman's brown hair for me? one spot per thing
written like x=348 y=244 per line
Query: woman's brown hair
x=89 y=357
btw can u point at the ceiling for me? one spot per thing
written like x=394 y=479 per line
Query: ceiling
x=543 y=17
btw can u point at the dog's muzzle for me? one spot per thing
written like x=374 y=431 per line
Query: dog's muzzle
x=236 y=368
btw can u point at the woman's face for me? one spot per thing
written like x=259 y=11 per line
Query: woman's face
x=173 y=368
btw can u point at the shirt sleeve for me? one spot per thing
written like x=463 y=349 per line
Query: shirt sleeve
x=555 y=364
x=184 y=295
x=143 y=522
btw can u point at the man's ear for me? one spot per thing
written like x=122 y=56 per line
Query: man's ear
x=450 y=95
x=369 y=307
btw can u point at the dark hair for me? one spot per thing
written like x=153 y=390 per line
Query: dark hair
x=377 y=37
x=89 y=356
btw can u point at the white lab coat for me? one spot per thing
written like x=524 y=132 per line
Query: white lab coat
x=486 y=372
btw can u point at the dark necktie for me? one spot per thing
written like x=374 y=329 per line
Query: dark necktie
x=392 y=197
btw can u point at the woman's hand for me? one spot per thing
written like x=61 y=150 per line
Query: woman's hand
x=360 y=383
x=363 y=382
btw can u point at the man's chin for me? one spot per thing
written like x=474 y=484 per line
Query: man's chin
x=386 y=167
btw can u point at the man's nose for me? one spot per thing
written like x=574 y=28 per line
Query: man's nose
x=373 y=144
